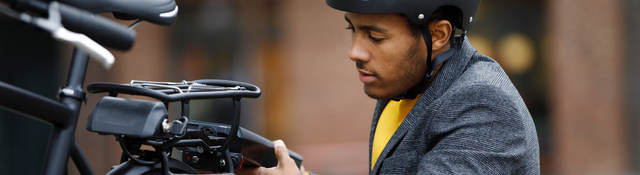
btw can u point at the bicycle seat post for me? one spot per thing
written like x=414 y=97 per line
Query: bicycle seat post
x=72 y=96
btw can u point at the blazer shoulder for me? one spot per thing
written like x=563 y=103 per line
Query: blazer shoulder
x=483 y=84
x=483 y=70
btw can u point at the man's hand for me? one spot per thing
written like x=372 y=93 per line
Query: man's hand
x=286 y=165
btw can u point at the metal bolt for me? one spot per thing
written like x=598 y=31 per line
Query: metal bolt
x=195 y=159
x=222 y=162
x=420 y=16
x=471 y=19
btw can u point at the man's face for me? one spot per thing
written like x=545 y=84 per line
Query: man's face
x=389 y=58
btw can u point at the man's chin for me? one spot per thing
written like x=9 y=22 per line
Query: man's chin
x=376 y=93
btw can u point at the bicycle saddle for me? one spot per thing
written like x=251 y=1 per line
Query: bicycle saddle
x=163 y=12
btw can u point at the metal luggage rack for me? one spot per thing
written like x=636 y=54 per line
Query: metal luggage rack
x=182 y=91
x=179 y=91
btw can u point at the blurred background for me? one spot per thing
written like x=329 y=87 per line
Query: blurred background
x=574 y=63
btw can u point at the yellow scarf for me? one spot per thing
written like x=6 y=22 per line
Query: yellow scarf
x=390 y=119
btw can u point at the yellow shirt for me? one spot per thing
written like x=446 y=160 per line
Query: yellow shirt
x=392 y=116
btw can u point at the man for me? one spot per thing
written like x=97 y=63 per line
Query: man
x=442 y=108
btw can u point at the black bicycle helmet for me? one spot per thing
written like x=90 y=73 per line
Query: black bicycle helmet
x=418 y=12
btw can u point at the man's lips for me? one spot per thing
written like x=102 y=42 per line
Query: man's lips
x=366 y=76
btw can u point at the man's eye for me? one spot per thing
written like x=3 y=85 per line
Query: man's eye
x=375 y=39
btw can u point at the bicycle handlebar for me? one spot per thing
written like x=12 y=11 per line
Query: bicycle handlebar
x=100 y=29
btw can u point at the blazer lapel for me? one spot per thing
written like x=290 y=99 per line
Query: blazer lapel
x=376 y=116
x=405 y=126
x=449 y=72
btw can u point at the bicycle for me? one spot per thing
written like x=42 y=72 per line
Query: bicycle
x=180 y=146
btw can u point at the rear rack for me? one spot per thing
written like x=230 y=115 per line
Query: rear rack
x=185 y=91
x=179 y=91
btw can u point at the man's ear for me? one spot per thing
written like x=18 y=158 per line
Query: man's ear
x=440 y=34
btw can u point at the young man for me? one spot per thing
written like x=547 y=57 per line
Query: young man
x=442 y=108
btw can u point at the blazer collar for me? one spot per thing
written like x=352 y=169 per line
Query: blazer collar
x=450 y=71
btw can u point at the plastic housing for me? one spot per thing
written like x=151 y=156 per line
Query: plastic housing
x=130 y=117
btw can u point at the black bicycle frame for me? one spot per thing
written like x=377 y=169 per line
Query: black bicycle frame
x=62 y=114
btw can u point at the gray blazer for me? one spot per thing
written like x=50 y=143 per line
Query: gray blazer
x=471 y=120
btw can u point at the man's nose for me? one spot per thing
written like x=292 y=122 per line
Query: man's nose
x=358 y=52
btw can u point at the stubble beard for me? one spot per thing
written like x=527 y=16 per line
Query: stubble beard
x=413 y=68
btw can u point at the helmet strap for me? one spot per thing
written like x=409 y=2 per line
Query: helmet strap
x=426 y=35
x=431 y=64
